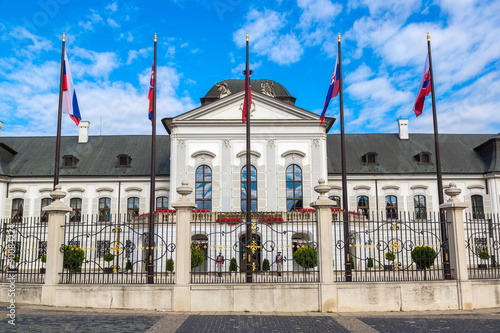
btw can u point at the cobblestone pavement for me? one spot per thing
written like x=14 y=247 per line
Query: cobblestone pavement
x=31 y=318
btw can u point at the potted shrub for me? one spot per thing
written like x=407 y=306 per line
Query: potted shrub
x=233 y=265
x=128 y=266
x=197 y=256
x=484 y=256
x=389 y=256
x=170 y=265
x=43 y=259
x=73 y=258
x=16 y=260
x=265 y=266
x=108 y=257
x=423 y=256
x=306 y=256
x=369 y=263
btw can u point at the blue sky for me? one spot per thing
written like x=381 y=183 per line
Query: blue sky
x=110 y=49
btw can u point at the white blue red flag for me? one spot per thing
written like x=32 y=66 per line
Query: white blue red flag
x=249 y=92
x=334 y=88
x=423 y=89
x=150 y=94
x=70 y=103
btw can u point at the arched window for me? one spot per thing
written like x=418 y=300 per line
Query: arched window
x=391 y=207
x=335 y=198
x=104 y=209
x=420 y=207
x=76 y=213
x=17 y=210
x=253 y=187
x=477 y=207
x=43 y=215
x=204 y=187
x=363 y=205
x=132 y=208
x=293 y=187
x=161 y=203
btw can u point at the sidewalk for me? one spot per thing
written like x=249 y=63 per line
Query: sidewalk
x=30 y=318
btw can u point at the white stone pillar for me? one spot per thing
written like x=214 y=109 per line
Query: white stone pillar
x=55 y=238
x=456 y=240
x=323 y=206
x=182 y=295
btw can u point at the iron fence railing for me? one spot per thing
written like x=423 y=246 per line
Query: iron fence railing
x=23 y=245
x=116 y=251
x=281 y=247
x=405 y=248
x=482 y=243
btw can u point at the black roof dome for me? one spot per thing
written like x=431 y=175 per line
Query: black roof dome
x=236 y=85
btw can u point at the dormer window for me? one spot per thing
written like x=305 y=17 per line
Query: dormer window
x=69 y=162
x=370 y=158
x=424 y=158
x=123 y=161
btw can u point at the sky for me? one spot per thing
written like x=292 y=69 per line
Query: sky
x=384 y=47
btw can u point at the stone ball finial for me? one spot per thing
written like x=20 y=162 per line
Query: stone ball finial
x=184 y=183
x=57 y=194
x=184 y=190
x=322 y=189
x=453 y=190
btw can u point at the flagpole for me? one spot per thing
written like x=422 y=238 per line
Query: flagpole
x=348 y=272
x=446 y=262
x=152 y=192
x=249 y=170
x=59 y=116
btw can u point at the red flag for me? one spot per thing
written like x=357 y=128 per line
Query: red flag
x=249 y=92
x=423 y=90
x=150 y=94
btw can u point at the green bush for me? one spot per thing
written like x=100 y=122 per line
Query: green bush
x=108 y=257
x=43 y=258
x=306 y=256
x=197 y=256
x=369 y=263
x=390 y=256
x=73 y=257
x=170 y=265
x=265 y=265
x=233 y=266
x=128 y=265
x=16 y=259
x=423 y=256
x=484 y=255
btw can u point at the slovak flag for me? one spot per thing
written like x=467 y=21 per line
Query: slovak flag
x=70 y=103
x=150 y=94
x=423 y=89
x=334 y=88
x=249 y=92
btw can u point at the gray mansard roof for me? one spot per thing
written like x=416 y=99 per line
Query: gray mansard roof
x=34 y=156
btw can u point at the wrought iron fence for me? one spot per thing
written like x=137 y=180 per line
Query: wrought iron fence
x=280 y=247
x=482 y=243
x=23 y=245
x=405 y=248
x=116 y=251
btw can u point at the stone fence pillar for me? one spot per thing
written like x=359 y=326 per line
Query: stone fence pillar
x=56 y=212
x=182 y=295
x=323 y=207
x=456 y=240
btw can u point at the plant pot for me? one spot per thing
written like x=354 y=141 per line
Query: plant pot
x=388 y=267
x=129 y=271
x=108 y=270
x=482 y=266
x=42 y=270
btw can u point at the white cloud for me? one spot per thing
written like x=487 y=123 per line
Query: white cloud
x=94 y=64
x=238 y=70
x=38 y=43
x=129 y=37
x=134 y=54
x=112 y=23
x=94 y=18
x=113 y=7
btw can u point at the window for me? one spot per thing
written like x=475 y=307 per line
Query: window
x=204 y=187
x=161 y=203
x=123 y=161
x=363 y=205
x=293 y=187
x=69 y=162
x=253 y=187
x=420 y=207
x=370 y=158
x=132 y=208
x=424 y=158
x=336 y=198
x=17 y=210
x=76 y=213
x=477 y=207
x=104 y=209
x=43 y=215
x=391 y=207
x=102 y=248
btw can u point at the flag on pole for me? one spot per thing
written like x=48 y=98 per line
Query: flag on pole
x=249 y=92
x=423 y=89
x=70 y=102
x=334 y=88
x=150 y=94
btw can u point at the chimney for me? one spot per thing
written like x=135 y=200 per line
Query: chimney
x=403 y=129
x=1 y=125
x=83 y=133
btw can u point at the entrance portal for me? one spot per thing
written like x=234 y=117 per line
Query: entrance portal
x=256 y=257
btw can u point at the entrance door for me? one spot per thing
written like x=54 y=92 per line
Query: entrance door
x=256 y=257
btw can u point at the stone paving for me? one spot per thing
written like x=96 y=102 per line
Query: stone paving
x=31 y=318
